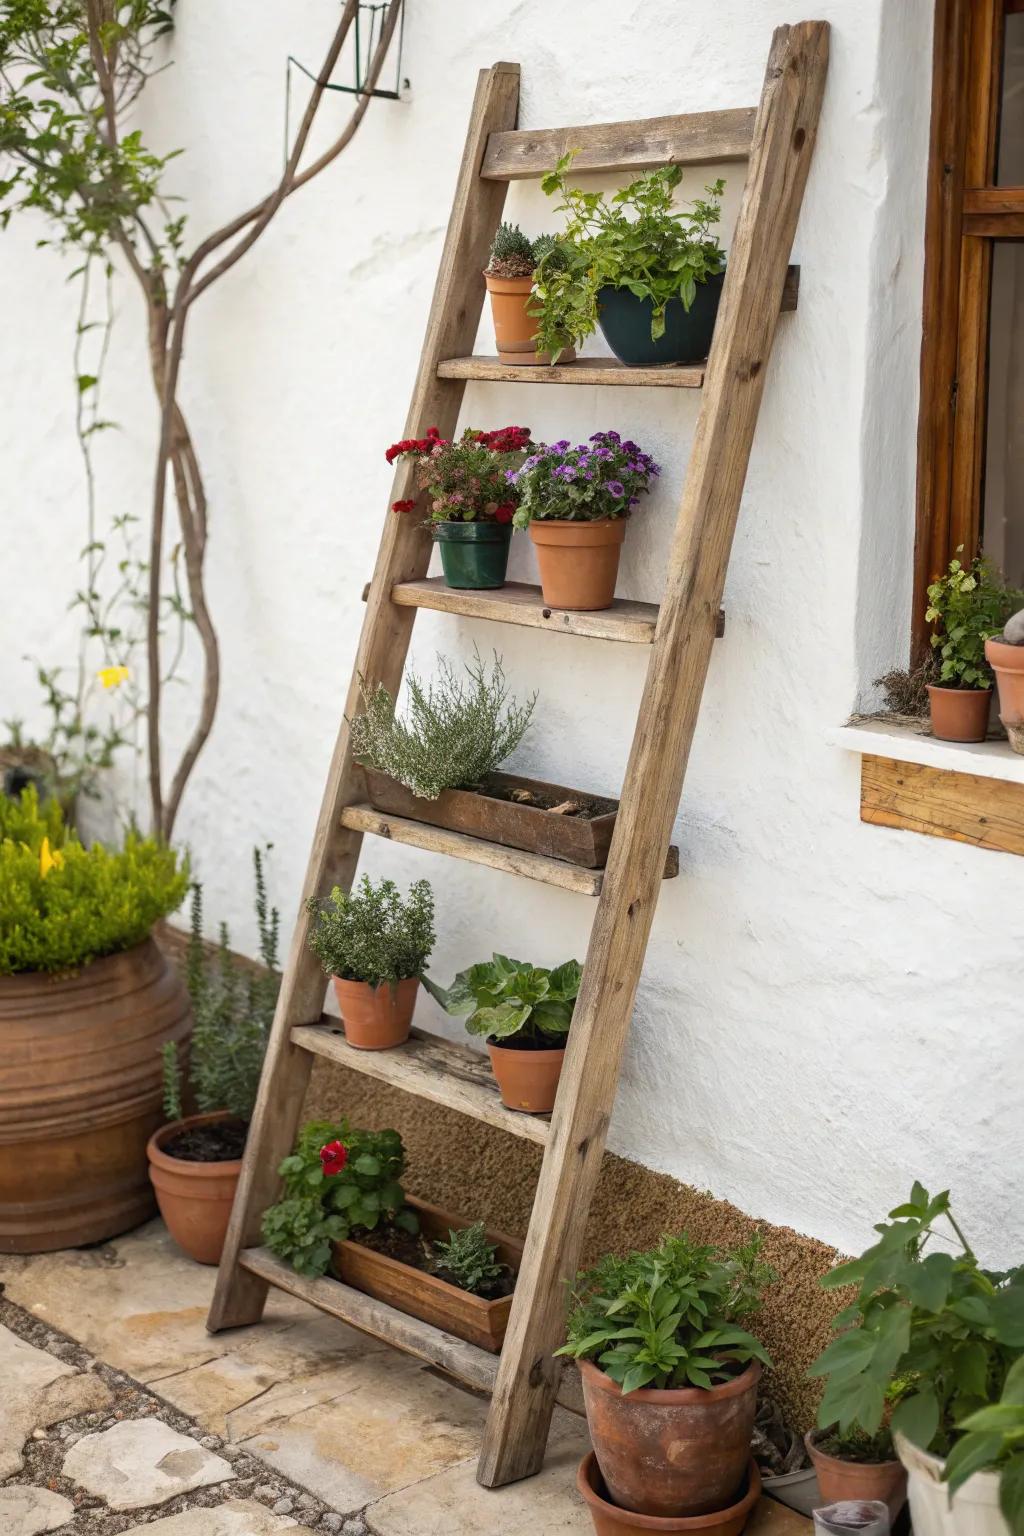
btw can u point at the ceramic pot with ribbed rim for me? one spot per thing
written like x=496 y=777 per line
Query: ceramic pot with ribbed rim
x=376 y=1018
x=839 y=1479
x=959 y=714
x=81 y=1092
x=195 y=1199
x=527 y=1080
x=611 y=1520
x=578 y=561
x=671 y=1451
x=1007 y=662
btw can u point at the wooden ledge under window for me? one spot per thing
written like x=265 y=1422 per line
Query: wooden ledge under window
x=968 y=792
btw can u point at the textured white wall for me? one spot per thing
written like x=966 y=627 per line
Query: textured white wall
x=827 y=1010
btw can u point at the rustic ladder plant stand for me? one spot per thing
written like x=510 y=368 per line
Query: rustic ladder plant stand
x=776 y=140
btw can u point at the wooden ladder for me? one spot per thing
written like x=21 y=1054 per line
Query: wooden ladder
x=776 y=139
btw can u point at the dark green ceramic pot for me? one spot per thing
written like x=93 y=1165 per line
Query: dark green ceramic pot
x=626 y=324
x=474 y=555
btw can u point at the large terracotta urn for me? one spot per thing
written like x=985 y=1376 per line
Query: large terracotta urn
x=80 y=1095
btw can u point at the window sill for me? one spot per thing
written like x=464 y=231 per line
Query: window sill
x=992 y=759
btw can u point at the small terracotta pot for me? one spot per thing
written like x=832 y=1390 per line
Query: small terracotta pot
x=527 y=1080
x=1007 y=662
x=671 y=1451
x=610 y=1520
x=514 y=326
x=578 y=561
x=959 y=714
x=839 y=1479
x=376 y=1018
x=195 y=1199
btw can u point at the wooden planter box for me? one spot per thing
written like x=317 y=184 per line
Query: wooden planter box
x=572 y=838
x=425 y=1296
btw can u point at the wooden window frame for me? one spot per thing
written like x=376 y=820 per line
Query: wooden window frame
x=966 y=212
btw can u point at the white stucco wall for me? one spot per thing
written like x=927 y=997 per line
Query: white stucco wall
x=827 y=1010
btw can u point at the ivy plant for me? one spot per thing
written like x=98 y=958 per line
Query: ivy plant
x=504 y=997
x=966 y=607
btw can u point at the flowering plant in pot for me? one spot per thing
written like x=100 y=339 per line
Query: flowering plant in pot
x=509 y=273
x=195 y=1160
x=374 y=945
x=670 y=1374
x=966 y=606
x=945 y=1337
x=471 y=502
x=575 y=501
x=1005 y=655
x=648 y=273
x=524 y=1012
x=86 y=1001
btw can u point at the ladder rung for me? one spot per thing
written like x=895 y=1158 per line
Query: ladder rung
x=689 y=138
x=586 y=370
x=518 y=603
x=431 y=1067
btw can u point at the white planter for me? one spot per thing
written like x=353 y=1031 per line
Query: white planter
x=974 y=1510
x=797 y=1490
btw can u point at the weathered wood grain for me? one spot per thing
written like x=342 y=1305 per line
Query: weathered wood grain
x=690 y=138
x=989 y=813
x=586 y=370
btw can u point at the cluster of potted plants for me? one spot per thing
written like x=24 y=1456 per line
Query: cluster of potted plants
x=344 y=1210
x=977 y=639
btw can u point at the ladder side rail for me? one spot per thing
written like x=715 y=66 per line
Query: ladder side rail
x=404 y=555
x=784 y=136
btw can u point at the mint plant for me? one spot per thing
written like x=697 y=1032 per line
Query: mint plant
x=504 y=997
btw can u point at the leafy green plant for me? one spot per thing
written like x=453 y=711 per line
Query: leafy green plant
x=638 y=241
x=504 y=997
x=967 y=606
x=669 y=1317
x=233 y=1005
x=468 y=1259
x=370 y=934
x=950 y=1332
x=62 y=904
x=454 y=734
x=855 y=1445
x=337 y=1181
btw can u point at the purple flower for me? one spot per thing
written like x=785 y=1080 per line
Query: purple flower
x=616 y=488
x=629 y=446
x=612 y=437
x=602 y=453
x=565 y=471
x=634 y=501
x=512 y=475
x=560 y=447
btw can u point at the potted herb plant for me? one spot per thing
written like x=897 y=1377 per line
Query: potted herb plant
x=854 y=1465
x=344 y=1209
x=195 y=1160
x=669 y=1374
x=471 y=502
x=524 y=1012
x=86 y=1001
x=965 y=607
x=1005 y=655
x=575 y=502
x=649 y=274
x=374 y=945
x=509 y=278
x=944 y=1336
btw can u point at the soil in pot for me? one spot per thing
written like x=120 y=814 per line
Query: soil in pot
x=195 y=1193
x=376 y=1018
x=474 y=556
x=625 y=323
x=841 y=1478
x=407 y=1248
x=611 y=1519
x=578 y=561
x=514 y=326
x=959 y=714
x=1007 y=662
x=527 y=1073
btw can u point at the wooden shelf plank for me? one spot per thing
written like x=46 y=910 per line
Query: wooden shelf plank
x=586 y=370
x=432 y=1068
x=689 y=138
x=519 y=603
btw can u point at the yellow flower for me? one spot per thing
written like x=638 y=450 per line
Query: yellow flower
x=49 y=859
x=113 y=677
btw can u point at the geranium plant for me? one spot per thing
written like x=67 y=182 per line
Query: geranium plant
x=602 y=478
x=967 y=606
x=465 y=480
x=502 y=997
x=637 y=240
x=371 y=933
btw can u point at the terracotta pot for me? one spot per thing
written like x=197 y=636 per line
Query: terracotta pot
x=959 y=714
x=578 y=561
x=527 y=1080
x=376 y=1018
x=839 y=1479
x=611 y=1520
x=972 y=1511
x=514 y=326
x=81 y=1090
x=195 y=1199
x=672 y=1451
x=1007 y=662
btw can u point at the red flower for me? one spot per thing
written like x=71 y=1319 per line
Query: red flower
x=504 y=513
x=403 y=506
x=333 y=1158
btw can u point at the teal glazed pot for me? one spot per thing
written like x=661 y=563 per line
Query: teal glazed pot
x=625 y=324
x=474 y=555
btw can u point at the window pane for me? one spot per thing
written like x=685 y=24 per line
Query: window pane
x=1003 y=504
x=1010 y=165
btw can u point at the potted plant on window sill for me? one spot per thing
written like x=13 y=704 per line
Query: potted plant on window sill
x=965 y=607
x=1005 y=655
x=509 y=278
x=471 y=500
x=195 y=1160
x=374 y=945
x=670 y=1405
x=524 y=1012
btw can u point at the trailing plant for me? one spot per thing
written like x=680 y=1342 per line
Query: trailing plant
x=601 y=478
x=371 y=934
x=337 y=1181
x=966 y=607
x=468 y=480
x=468 y=1259
x=949 y=1332
x=62 y=904
x=669 y=1317
x=638 y=241
x=504 y=997
x=454 y=733
x=233 y=1007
